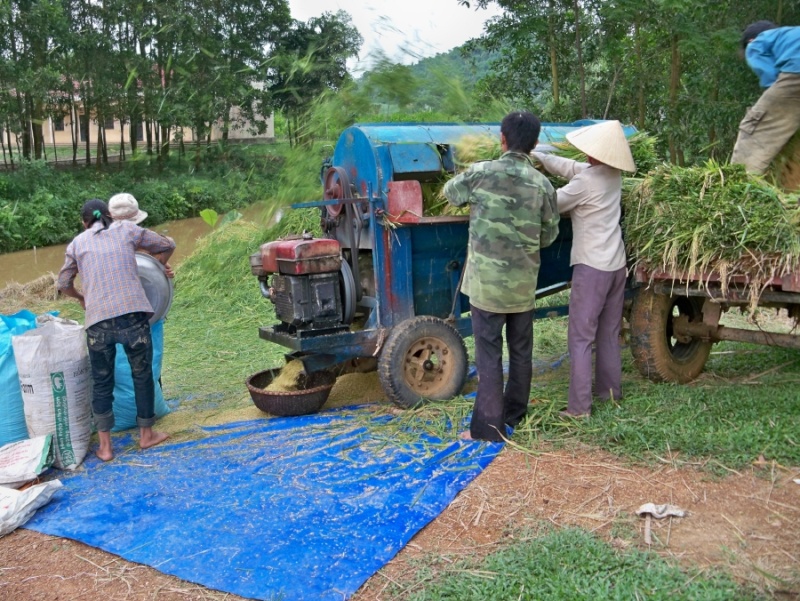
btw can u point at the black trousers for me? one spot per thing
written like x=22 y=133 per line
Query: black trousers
x=132 y=331
x=495 y=404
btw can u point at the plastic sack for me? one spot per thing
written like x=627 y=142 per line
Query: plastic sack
x=124 y=398
x=54 y=374
x=12 y=412
x=17 y=506
x=24 y=460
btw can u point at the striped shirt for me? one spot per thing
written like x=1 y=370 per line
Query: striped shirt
x=106 y=261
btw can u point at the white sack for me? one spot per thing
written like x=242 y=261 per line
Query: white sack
x=23 y=461
x=55 y=377
x=18 y=506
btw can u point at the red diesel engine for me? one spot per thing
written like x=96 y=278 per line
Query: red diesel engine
x=302 y=278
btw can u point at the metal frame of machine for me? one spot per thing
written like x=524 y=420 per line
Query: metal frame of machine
x=400 y=271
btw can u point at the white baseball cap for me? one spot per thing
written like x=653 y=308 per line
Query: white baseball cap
x=123 y=207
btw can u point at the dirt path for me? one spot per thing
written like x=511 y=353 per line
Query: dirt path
x=748 y=522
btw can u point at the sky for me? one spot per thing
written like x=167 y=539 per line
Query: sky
x=405 y=30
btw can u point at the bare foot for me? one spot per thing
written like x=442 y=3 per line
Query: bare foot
x=465 y=435
x=105 y=452
x=150 y=438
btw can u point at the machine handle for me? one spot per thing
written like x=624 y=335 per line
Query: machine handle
x=264 y=289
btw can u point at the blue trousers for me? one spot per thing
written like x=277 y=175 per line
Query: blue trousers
x=132 y=331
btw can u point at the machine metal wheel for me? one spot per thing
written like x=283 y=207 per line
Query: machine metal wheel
x=348 y=288
x=424 y=358
x=658 y=354
x=336 y=186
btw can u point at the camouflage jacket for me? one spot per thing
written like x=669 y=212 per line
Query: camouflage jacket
x=513 y=213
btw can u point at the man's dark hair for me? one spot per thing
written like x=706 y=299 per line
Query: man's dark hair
x=96 y=210
x=752 y=30
x=521 y=129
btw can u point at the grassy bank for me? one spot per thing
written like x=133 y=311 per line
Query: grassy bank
x=40 y=205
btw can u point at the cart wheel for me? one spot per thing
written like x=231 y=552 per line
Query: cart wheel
x=423 y=358
x=657 y=353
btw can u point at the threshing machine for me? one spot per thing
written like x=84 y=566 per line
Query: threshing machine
x=381 y=289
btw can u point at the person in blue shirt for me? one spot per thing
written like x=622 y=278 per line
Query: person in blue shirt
x=773 y=53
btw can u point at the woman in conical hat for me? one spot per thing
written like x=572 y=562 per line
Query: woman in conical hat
x=592 y=198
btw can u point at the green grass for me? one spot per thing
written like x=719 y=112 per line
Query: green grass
x=40 y=205
x=725 y=420
x=211 y=336
x=567 y=565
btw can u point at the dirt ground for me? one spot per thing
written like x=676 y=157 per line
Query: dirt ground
x=747 y=522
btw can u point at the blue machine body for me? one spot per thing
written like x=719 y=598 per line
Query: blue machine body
x=414 y=262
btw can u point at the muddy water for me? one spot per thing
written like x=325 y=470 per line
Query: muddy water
x=27 y=265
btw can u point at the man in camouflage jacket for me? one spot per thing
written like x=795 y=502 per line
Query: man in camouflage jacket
x=513 y=214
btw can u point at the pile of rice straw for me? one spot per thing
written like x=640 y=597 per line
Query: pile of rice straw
x=473 y=148
x=15 y=295
x=711 y=219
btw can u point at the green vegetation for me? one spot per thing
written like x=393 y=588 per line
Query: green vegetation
x=82 y=69
x=671 y=68
x=40 y=206
x=567 y=565
x=724 y=421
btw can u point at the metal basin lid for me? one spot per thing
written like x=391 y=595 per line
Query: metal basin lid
x=157 y=286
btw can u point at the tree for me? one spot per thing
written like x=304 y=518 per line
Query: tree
x=669 y=66
x=30 y=33
x=391 y=83
x=310 y=58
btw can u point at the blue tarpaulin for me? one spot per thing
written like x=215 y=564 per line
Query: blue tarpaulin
x=283 y=508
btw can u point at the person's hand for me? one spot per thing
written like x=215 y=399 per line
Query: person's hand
x=168 y=270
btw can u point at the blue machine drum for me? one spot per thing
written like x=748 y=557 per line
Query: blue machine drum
x=157 y=286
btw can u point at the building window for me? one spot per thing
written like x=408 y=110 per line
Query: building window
x=109 y=124
x=139 y=131
x=58 y=123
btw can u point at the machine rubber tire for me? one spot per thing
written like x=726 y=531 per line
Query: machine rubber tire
x=423 y=358
x=657 y=354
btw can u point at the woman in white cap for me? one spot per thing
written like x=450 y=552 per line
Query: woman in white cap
x=125 y=207
x=593 y=200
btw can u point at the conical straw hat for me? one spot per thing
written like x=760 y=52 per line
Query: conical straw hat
x=606 y=143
